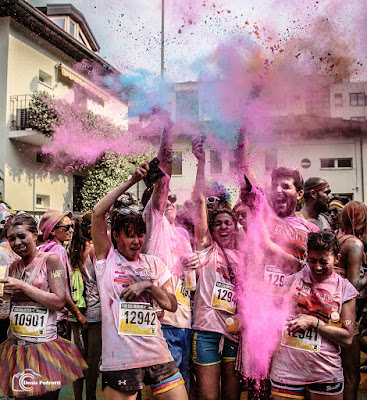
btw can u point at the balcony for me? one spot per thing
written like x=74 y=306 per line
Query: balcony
x=21 y=130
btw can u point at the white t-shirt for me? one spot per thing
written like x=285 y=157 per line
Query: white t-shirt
x=169 y=243
x=215 y=295
x=114 y=275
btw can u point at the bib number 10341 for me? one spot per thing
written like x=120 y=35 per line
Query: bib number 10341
x=137 y=319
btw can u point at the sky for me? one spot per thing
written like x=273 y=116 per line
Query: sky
x=129 y=32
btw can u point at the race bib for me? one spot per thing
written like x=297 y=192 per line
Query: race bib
x=273 y=276
x=29 y=321
x=137 y=319
x=309 y=340
x=223 y=297
x=182 y=295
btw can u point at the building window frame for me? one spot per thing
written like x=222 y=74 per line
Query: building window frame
x=338 y=99
x=336 y=163
x=216 y=162
x=357 y=99
x=177 y=161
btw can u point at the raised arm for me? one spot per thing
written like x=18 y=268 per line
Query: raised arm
x=100 y=238
x=161 y=188
x=202 y=233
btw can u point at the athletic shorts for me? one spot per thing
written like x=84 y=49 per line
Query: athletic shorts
x=298 y=391
x=161 y=378
x=206 y=348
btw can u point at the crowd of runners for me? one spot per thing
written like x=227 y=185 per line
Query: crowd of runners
x=146 y=292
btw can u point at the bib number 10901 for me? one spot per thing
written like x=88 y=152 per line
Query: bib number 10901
x=137 y=319
x=29 y=321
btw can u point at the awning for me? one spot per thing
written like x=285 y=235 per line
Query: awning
x=82 y=82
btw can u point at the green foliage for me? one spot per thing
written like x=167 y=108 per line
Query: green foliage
x=46 y=114
x=109 y=172
x=43 y=115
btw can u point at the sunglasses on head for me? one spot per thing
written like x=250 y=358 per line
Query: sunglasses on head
x=172 y=198
x=326 y=236
x=212 y=199
x=65 y=227
x=127 y=211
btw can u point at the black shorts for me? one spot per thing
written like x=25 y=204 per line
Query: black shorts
x=298 y=391
x=161 y=378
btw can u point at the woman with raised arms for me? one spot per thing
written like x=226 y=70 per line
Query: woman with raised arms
x=134 y=350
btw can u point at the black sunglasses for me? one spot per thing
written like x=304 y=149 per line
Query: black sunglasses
x=326 y=236
x=172 y=198
x=65 y=227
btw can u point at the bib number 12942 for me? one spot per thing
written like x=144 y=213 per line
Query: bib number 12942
x=137 y=319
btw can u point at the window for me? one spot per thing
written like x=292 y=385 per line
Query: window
x=271 y=159
x=357 y=99
x=45 y=78
x=336 y=162
x=60 y=22
x=72 y=28
x=80 y=38
x=42 y=201
x=187 y=105
x=338 y=100
x=177 y=163
x=77 y=192
x=215 y=162
x=42 y=158
x=344 y=162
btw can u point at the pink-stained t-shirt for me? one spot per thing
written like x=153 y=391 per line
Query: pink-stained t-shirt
x=60 y=251
x=35 y=274
x=215 y=296
x=290 y=233
x=169 y=243
x=114 y=275
x=317 y=360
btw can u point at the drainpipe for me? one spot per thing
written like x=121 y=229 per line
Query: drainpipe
x=362 y=174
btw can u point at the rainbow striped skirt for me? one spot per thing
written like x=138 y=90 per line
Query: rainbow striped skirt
x=36 y=369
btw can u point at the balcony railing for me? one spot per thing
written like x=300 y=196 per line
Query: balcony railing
x=19 y=109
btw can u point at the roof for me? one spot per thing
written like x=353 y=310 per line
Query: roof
x=36 y=21
x=52 y=10
x=316 y=126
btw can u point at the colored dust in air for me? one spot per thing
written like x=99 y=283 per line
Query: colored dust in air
x=249 y=65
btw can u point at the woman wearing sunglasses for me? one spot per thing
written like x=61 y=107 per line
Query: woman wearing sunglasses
x=57 y=229
x=321 y=319
x=134 y=350
x=214 y=348
x=35 y=362
x=86 y=297
x=353 y=224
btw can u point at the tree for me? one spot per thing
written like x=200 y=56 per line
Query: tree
x=109 y=172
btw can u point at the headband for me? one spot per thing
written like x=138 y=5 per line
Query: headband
x=317 y=187
x=337 y=203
